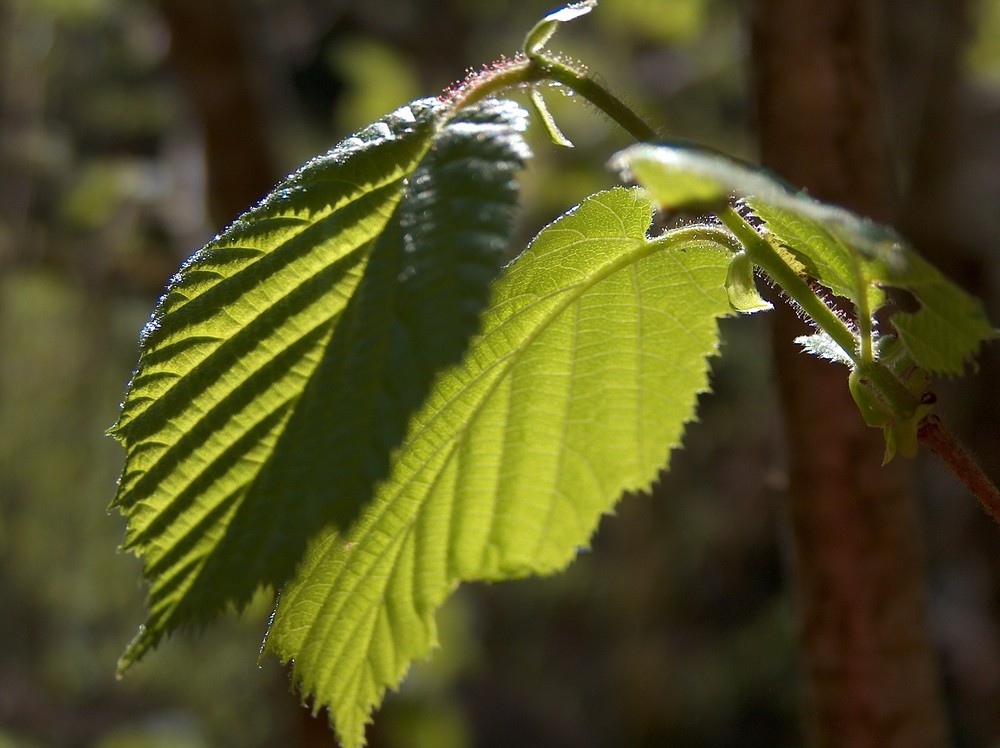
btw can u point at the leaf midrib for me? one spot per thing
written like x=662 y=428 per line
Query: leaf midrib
x=643 y=248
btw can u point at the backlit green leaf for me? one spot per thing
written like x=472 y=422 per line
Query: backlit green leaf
x=593 y=351
x=860 y=260
x=690 y=177
x=281 y=365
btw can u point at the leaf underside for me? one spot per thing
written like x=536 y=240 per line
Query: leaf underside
x=281 y=365
x=855 y=258
x=857 y=261
x=594 y=348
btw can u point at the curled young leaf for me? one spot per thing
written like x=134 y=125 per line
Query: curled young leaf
x=548 y=121
x=542 y=31
x=688 y=177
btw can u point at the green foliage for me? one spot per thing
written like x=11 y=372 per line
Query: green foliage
x=855 y=258
x=306 y=332
x=804 y=245
x=539 y=36
x=941 y=327
x=339 y=399
x=576 y=391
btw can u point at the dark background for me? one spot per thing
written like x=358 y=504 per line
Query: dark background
x=131 y=131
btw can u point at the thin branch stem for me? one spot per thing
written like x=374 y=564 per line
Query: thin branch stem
x=763 y=255
x=933 y=433
x=527 y=70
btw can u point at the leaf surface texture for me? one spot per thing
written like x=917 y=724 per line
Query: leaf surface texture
x=281 y=365
x=594 y=348
x=852 y=256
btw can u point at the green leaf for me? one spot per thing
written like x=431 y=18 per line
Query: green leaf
x=281 y=366
x=821 y=345
x=950 y=325
x=688 y=177
x=824 y=255
x=548 y=121
x=593 y=351
x=852 y=256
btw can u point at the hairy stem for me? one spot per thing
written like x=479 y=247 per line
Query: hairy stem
x=869 y=668
x=583 y=85
x=526 y=70
x=933 y=433
x=900 y=400
x=764 y=257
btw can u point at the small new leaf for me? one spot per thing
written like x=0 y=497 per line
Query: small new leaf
x=821 y=345
x=548 y=121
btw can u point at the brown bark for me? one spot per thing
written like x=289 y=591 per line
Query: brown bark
x=870 y=673
x=225 y=80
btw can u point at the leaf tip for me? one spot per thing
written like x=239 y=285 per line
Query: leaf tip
x=680 y=177
x=548 y=121
x=137 y=648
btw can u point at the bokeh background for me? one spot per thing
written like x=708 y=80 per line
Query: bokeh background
x=131 y=131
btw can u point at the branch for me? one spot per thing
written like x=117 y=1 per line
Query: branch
x=952 y=453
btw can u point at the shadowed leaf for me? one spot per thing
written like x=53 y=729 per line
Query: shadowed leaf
x=281 y=365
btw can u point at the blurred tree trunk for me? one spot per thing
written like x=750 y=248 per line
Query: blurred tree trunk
x=227 y=80
x=23 y=85
x=870 y=673
x=227 y=85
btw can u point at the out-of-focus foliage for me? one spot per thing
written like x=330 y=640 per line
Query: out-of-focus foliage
x=982 y=56
x=65 y=589
x=102 y=193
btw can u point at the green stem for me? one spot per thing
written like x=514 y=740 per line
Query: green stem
x=936 y=437
x=541 y=68
x=900 y=400
x=763 y=255
x=583 y=85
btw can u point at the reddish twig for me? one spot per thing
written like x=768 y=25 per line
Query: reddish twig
x=952 y=453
